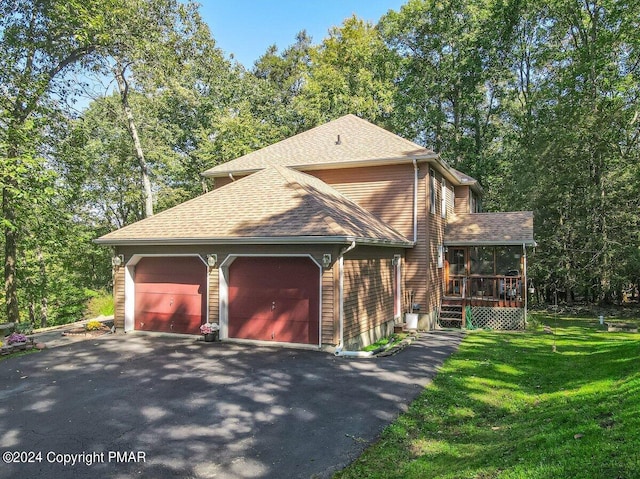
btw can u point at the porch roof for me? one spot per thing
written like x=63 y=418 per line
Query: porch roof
x=486 y=229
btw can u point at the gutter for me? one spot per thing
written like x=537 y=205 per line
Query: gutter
x=415 y=201
x=343 y=251
x=254 y=240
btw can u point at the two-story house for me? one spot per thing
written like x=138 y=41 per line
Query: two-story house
x=324 y=240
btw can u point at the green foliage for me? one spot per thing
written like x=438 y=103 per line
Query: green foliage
x=93 y=325
x=100 y=303
x=351 y=71
x=24 y=328
x=506 y=406
x=387 y=341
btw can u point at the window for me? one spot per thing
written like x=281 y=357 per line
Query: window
x=443 y=206
x=475 y=205
x=432 y=190
x=457 y=264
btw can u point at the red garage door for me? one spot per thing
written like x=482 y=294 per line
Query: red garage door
x=274 y=299
x=170 y=294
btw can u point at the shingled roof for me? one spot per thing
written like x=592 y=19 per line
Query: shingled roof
x=275 y=205
x=511 y=228
x=347 y=140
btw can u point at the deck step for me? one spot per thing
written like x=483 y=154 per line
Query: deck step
x=450 y=314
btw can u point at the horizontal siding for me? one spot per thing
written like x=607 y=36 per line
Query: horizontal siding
x=415 y=272
x=435 y=280
x=329 y=333
x=118 y=297
x=461 y=199
x=368 y=295
x=385 y=191
x=214 y=295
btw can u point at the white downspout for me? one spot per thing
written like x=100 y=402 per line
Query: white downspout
x=525 y=286
x=415 y=201
x=231 y=176
x=339 y=351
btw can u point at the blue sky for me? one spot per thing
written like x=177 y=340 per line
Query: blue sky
x=247 y=28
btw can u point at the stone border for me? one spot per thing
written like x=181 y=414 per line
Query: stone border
x=15 y=347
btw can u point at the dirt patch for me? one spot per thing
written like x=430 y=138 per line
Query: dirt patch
x=81 y=331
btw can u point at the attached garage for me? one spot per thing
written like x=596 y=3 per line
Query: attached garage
x=170 y=294
x=274 y=299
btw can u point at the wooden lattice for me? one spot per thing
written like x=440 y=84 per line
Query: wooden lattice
x=509 y=319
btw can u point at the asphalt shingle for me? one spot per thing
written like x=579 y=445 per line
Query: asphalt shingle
x=276 y=202
x=515 y=227
x=348 y=139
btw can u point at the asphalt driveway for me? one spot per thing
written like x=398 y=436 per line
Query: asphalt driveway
x=138 y=406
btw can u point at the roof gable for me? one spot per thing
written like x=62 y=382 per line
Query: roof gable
x=276 y=204
x=348 y=139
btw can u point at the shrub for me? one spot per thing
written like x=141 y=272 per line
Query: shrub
x=16 y=338
x=100 y=304
x=93 y=325
x=24 y=328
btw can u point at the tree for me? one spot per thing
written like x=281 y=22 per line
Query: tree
x=154 y=41
x=41 y=41
x=451 y=85
x=351 y=71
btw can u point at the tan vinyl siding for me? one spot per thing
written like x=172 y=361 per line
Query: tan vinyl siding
x=436 y=225
x=386 y=191
x=451 y=203
x=329 y=327
x=118 y=297
x=462 y=199
x=214 y=295
x=368 y=295
x=417 y=258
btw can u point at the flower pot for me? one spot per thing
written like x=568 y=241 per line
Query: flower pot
x=211 y=337
x=411 y=320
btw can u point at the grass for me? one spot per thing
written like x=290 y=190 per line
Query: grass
x=387 y=341
x=19 y=353
x=507 y=406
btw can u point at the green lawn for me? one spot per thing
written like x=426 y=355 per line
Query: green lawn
x=507 y=406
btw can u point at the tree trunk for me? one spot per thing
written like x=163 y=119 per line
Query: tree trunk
x=44 y=302
x=10 y=245
x=123 y=87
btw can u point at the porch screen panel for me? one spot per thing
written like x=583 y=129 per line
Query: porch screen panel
x=508 y=259
x=482 y=260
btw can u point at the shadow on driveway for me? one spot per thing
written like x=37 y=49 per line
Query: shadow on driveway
x=194 y=409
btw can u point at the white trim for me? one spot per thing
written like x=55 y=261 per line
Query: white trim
x=416 y=170
x=443 y=200
x=525 y=286
x=341 y=301
x=398 y=277
x=130 y=285
x=223 y=291
x=257 y=240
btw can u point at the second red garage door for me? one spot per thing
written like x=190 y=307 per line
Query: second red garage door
x=274 y=299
